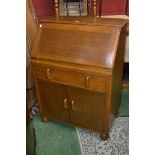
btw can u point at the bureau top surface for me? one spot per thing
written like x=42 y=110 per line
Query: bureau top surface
x=83 y=20
x=92 y=45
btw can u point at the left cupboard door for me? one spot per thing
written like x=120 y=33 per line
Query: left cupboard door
x=53 y=100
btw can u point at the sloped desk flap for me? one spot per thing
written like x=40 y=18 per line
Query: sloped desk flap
x=93 y=45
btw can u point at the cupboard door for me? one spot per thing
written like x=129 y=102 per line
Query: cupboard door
x=87 y=108
x=54 y=102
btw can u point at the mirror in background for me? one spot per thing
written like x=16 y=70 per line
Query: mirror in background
x=73 y=7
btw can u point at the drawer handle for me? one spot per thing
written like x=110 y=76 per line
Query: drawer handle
x=73 y=106
x=87 y=81
x=48 y=73
x=65 y=103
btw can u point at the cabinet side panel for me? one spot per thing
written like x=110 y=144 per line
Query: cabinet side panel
x=118 y=73
x=114 y=84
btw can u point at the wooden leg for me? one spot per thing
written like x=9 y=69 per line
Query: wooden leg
x=104 y=136
x=45 y=119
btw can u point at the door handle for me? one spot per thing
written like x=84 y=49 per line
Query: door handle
x=48 y=73
x=73 y=106
x=87 y=80
x=65 y=103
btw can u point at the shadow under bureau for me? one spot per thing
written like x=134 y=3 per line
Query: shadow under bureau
x=78 y=65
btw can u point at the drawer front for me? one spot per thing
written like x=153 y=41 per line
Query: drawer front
x=70 y=77
x=97 y=83
x=39 y=71
x=66 y=76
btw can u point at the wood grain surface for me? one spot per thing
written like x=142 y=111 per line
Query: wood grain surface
x=78 y=72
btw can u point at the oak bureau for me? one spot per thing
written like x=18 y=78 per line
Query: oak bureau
x=77 y=64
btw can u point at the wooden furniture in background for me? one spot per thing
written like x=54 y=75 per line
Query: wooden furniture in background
x=31 y=22
x=89 y=8
x=56 y=7
x=31 y=29
x=73 y=7
x=46 y=8
x=94 y=7
x=78 y=64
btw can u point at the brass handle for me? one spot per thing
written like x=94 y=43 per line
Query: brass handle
x=65 y=103
x=48 y=73
x=87 y=81
x=73 y=106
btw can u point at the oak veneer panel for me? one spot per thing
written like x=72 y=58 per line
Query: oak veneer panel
x=52 y=97
x=83 y=63
x=75 y=44
x=31 y=30
x=117 y=75
x=70 y=77
x=89 y=108
x=31 y=22
x=84 y=20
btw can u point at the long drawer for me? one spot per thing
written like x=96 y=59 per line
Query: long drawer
x=69 y=76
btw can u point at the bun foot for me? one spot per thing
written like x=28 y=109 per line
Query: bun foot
x=45 y=119
x=104 y=136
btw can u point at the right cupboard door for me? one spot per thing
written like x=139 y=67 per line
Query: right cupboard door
x=87 y=108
